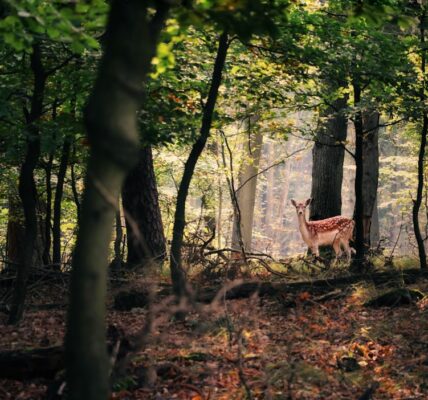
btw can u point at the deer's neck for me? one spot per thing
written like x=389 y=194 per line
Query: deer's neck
x=304 y=229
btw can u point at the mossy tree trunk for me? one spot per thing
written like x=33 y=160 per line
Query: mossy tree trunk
x=111 y=123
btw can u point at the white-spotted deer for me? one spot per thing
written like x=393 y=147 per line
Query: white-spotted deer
x=334 y=231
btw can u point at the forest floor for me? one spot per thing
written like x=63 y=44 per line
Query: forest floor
x=254 y=348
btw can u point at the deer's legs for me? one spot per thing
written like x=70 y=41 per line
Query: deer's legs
x=315 y=250
x=345 y=244
x=337 y=249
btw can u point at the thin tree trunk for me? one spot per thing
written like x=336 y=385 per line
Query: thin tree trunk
x=280 y=213
x=359 y=176
x=219 y=227
x=48 y=216
x=177 y=273
x=371 y=170
x=418 y=201
x=111 y=124
x=74 y=185
x=117 y=260
x=140 y=200
x=56 y=229
x=15 y=230
x=327 y=167
x=246 y=191
x=27 y=186
x=269 y=209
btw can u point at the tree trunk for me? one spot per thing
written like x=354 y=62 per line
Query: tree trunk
x=374 y=227
x=141 y=204
x=359 y=176
x=27 y=186
x=177 y=273
x=15 y=231
x=117 y=261
x=418 y=201
x=269 y=219
x=111 y=123
x=56 y=228
x=74 y=185
x=219 y=226
x=246 y=191
x=371 y=170
x=48 y=215
x=327 y=167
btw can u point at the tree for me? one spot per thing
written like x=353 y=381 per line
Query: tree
x=328 y=154
x=56 y=227
x=111 y=122
x=177 y=273
x=424 y=131
x=141 y=204
x=27 y=187
x=247 y=184
x=29 y=86
x=370 y=172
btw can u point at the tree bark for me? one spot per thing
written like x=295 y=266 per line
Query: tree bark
x=140 y=201
x=177 y=273
x=421 y=164
x=48 y=215
x=111 y=123
x=15 y=230
x=56 y=226
x=246 y=191
x=27 y=186
x=117 y=261
x=327 y=167
x=359 y=176
x=370 y=170
x=269 y=217
x=374 y=227
x=74 y=185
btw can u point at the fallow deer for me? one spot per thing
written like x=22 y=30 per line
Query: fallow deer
x=334 y=231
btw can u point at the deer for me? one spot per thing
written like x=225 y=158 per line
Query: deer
x=335 y=231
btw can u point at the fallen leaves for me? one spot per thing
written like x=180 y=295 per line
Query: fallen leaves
x=334 y=350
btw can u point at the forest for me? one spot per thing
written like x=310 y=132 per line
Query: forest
x=213 y=199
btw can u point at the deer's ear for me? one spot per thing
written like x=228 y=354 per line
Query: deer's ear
x=293 y=202
x=309 y=201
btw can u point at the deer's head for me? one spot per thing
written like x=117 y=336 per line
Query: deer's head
x=301 y=207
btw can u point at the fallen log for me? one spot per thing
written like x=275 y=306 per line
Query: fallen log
x=317 y=287
x=29 y=364
x=47 y=362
